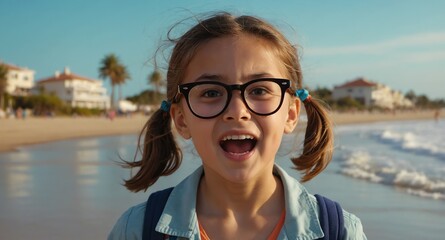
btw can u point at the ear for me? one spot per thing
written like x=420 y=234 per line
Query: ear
x=178 y=117
x=292 y=115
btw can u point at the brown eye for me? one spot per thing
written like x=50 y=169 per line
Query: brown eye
x=211 y=94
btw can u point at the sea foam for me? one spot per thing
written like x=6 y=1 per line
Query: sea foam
x=394 y=172
x=414 y=142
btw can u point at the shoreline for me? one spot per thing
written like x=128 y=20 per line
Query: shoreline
x=368 y=117
x=15 y=133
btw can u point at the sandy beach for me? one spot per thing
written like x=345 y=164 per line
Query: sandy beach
x=18 y=132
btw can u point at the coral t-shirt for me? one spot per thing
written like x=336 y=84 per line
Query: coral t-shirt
x=272 y=236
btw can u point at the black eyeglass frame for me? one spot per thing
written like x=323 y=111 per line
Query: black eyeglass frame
x=185 y=89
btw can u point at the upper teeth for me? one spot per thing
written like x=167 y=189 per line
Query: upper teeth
x=237 y=137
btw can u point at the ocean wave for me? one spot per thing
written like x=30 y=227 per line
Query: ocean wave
x=412 y=142
x=378 y=169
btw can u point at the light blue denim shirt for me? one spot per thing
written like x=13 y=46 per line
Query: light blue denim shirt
x=179 y=216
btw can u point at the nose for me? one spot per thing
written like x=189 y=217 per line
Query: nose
x=237 y=109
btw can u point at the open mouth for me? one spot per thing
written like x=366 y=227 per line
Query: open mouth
x=238 y=144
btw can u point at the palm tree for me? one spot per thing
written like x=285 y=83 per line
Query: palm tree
x=156 y=79
x=3 y=83
x=122 y=76
x=111 y=68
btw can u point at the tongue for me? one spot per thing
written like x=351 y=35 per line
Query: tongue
x=237 y=146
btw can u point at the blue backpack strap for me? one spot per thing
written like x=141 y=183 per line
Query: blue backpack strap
x=153 y=211
x=331 y=218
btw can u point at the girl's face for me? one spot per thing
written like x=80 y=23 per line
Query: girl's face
x=237 y=145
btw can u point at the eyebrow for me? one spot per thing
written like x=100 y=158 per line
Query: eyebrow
x=215 y=77
x=260 y=75
x=205 y=77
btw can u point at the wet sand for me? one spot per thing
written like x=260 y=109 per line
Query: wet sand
x=19 y=132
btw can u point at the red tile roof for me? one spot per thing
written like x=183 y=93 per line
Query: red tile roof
x=360 y=82
x=64 y=76
x=13 y=67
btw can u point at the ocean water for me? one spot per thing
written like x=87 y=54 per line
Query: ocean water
x=407 y=156
x=391 y=175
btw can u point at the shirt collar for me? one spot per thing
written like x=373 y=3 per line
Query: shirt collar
x=179 y=216
x=301 y=211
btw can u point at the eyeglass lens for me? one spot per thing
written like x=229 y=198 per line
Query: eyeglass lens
x=210 y=99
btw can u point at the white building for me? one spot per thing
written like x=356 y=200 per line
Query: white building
x=127 y=106
x=19 y=80
x=371 y=94
x=76 y=91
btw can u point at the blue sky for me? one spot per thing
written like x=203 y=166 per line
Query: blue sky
x=397 y=43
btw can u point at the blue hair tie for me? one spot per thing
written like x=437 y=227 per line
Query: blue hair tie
x=165 y=106
x=302 y=94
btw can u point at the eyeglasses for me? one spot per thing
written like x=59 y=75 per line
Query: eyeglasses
x=208 y=99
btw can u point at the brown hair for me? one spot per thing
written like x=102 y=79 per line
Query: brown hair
x=161 y=156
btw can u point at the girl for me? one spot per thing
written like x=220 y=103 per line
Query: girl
x=232 y=89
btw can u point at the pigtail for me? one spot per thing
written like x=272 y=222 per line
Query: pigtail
x=318 y=141
x=161 y=155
